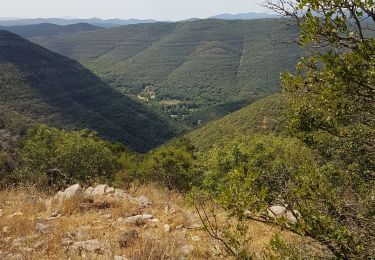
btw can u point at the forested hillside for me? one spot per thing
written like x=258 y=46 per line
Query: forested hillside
x=39 y=86
x=262 y=117
x=48 y=29
x=188 y=67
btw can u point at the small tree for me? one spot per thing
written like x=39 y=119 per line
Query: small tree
x=332 y=110
x=58 y=157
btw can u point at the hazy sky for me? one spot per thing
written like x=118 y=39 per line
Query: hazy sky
x=153 y=9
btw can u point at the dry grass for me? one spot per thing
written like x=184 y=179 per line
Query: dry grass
x=82 y=219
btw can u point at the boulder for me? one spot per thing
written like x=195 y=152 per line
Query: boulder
x=119 y=193
x=144 y=201
x=73 y=191
x=110 y=190
x=89 y=191
x=134 y=219
x=100 y=190
x=277 y=212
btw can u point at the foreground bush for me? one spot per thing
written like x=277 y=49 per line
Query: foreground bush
x=173 y=166
x=58 y=157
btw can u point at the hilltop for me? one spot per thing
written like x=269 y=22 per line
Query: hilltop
x=244 y=16
x=188 y=67
x=39 y=86
x=61 y=21
x=48 y=29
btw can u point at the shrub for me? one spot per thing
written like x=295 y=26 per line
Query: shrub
x=173 y=166
x=56 y=157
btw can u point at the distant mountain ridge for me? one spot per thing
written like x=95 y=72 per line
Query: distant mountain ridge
x=40 y=86
x=61 y=21
x=245 y=16
x=118 y=22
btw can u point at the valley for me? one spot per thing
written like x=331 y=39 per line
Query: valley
x=208 y=65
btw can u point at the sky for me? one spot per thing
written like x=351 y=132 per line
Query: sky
x=141 y=9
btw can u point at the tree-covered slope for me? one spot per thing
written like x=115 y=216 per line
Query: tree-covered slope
x=39 y=86
x=261 y=117
x=200 y=64
x=48 y=29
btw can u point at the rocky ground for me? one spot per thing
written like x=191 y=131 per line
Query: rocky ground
x=106 y=223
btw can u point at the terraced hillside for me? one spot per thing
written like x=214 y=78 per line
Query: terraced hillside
x=198 y=65
x=39 y=86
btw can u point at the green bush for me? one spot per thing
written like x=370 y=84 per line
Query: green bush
x=173 y=166
x=254 y=174
x=57 y=157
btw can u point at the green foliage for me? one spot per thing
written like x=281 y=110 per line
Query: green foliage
x=38 y=86
x=257 y=173
x=8 y=157
x=72 y=156
x=262 y=117
x=173 y=166
x=206 y=64
x=332 y=99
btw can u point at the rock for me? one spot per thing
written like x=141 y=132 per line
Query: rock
x=136 y=218
x=195 y=226
x=59 y=197
x=119 y=193
x=167 y=228
x=100 y=190
x=48 y=204
x=91 y=247
x=277 y=212
x=196 y=238
x=73 y=191
x=42 y=228
x=89 y=191
x=110 y=190
x=144 y=201
x=6 y=230
x=1 y=212
x=127 y=238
